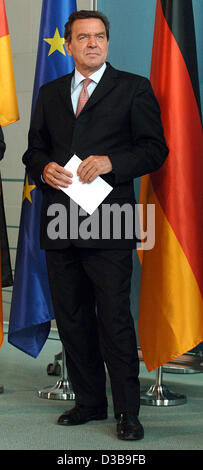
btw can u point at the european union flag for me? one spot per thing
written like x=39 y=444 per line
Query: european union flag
x=31 y=306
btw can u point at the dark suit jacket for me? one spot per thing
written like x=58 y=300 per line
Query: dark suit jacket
x=121 y=119
x=2 y=144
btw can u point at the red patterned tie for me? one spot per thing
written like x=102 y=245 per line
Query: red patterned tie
x=83 y=98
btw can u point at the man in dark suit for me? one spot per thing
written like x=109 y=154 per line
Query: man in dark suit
x=118 y=135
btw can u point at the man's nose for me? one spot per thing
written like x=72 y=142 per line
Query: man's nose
x=92 y=42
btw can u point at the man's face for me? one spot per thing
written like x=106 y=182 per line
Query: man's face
x=89 y=45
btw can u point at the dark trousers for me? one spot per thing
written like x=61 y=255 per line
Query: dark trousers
x=80 y=279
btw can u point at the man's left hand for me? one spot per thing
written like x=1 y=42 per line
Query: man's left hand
x=93 y=166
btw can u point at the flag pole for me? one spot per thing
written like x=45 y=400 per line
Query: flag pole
x=94 y=5
x=63 y=389
x=159 y=395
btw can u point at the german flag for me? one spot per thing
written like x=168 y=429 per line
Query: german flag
x=171 y=305
x=8 y=101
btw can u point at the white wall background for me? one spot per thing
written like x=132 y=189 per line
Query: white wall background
x=23 y=20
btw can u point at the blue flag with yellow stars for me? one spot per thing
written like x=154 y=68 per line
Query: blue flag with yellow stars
x=31 y=306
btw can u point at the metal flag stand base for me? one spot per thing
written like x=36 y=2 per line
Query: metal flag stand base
x=62 y=390
x=1 y=388
x=159 y=395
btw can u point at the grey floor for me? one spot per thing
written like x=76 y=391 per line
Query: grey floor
x=28 y=422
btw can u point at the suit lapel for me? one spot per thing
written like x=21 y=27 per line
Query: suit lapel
x=105 y=85
x=65 y=91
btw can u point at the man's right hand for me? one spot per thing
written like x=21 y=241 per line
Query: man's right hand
x=55 y=175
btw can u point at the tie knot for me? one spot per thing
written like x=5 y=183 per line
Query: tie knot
x=83 y=98
x=86 y=82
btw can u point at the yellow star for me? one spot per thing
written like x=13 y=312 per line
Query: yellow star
x=27 y=190
x=56 y=43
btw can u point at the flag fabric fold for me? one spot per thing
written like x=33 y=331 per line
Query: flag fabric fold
x=170 y=319
x=8 y=100
x=31 y=307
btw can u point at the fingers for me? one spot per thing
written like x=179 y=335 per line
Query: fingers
x=93 y=166
x=55 y=175
x=87 y=171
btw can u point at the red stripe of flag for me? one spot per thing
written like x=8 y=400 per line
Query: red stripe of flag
x=3 y=20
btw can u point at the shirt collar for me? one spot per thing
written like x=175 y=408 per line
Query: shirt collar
x=96 y=76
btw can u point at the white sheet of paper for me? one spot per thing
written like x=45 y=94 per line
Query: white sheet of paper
x=86 y=195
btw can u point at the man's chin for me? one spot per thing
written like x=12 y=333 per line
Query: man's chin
x=94 y=64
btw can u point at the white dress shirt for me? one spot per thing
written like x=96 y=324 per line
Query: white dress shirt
x=77 y=83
